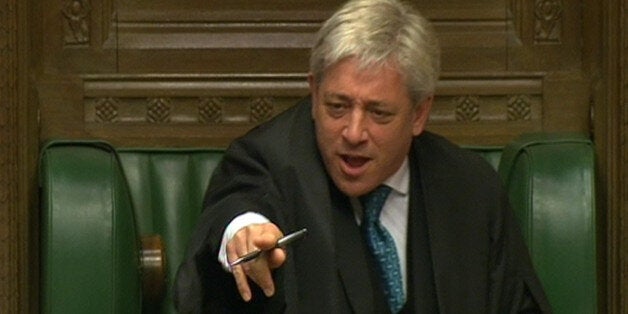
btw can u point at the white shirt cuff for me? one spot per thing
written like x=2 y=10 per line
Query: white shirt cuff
x=248 y=218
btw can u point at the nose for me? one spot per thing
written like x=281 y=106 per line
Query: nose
x=354 y=131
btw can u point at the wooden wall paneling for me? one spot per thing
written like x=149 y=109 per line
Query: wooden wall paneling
x=218 y=37
x=184 y=110
x=213 y=109
x=198 y=38
x=78 y=36
x=11 y=240
x=18 y=154
x=611 y=128
x=567 y=102
x=623 y=153
x=548 y=35
x=473 y=34
x=609 y=55
x=606 y=55
x=487 y=109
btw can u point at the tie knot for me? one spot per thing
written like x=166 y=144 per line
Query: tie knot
x=373 y=202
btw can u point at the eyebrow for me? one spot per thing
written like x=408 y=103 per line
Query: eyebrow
x=343 y=97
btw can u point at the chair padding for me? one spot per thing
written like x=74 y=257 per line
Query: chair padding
x=550 y=179
x=89 y=247
x=167 y=188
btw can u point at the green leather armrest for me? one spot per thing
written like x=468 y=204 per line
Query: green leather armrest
x=550 y=180
x=89 y=248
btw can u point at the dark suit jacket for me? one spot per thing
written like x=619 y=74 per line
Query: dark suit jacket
x=466 y=254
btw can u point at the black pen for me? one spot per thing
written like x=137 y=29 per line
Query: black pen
x=283 y=242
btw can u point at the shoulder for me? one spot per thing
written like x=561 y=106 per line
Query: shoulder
x=436 y=148
x=284 y=141
x=295 y=121
x=440 y=158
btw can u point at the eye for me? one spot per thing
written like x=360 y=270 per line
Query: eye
x=381 y=116
x=336 y=109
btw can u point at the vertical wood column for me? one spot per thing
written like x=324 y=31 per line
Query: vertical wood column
x=611 y=138
x=9 y=234
x=621 y=105
x=16 y=161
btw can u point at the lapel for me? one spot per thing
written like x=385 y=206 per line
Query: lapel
x=360 y=286
x=421 y=291
x=447 y=256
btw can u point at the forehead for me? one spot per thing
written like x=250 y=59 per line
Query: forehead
x=380 y=82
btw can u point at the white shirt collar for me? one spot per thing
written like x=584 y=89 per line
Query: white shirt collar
x=400 y=180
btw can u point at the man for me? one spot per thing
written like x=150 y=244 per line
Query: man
x=445 y=240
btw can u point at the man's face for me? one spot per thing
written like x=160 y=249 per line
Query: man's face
x=365 y=122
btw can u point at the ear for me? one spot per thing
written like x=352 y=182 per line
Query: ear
x=421 y=115
x=313 y=90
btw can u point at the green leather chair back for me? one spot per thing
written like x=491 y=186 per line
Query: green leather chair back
x=89 y=245
x=97 y=202
x=167 y=188
x=550 y=181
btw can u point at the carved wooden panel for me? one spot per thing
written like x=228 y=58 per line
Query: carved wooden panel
x=146 y=71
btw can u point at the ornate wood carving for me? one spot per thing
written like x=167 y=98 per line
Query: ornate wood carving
x=548 y=21
x=467 y=108
x=505 y=104
x=519 y=108
x=210 y=110
x=180 y=110
x=158 y=110
x=76 y=24
x=106 y=109
x=261 y=109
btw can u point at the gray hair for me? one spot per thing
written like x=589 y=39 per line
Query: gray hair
x=378 y=32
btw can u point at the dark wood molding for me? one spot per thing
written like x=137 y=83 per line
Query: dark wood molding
x=17 y=163
x=611 y=127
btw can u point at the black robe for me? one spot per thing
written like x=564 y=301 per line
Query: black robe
x=465 y=252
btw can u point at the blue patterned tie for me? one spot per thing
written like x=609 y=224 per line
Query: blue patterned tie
x=382 y=246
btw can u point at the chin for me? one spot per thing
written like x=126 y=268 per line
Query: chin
x=353 y=189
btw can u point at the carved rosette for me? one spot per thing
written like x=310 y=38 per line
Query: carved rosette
x=107 y=109
x=261 y=109
x=467 y=108
x=519 y=108
x=210 y=110
x=158 y=110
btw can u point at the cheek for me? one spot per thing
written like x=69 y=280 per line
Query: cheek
x=327 y=128
x=392 y=136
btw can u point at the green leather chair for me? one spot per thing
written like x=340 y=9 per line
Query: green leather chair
x=102 y=207
x=550 y=180
x=89 y=242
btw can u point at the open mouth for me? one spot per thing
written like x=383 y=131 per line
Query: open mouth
x=354 y=161
x=354 y=165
